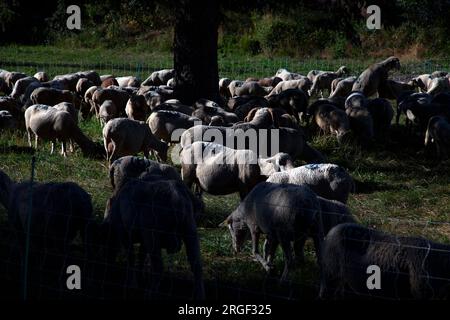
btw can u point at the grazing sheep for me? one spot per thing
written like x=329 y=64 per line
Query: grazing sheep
x=370 y=79
x=107 y=111
x=312 y=75
x=438 y=132
x=411 y=100
x=13 y=107
x=51 y=96
x=322 y=81
x=286 y=75
x=327 y=180
x=420 y=113
x=422 y=81
x=82 y=86
x=285 y=213
x=293 y=101
x=360 y=119
x=330 y=119
x=42 y=76
x=118 y=96
x=252 y=88
x=7 y=121
x=157 y=214
x=159 y=77
x=137 y=108
x=59 y=213
x=87 y=106
x=130 y=167
x=411 y=267
x=219 y=170
x=11 y=78
x=439 y=85
x=163 y=123
x=128 y=81
x=205 y=113
x=382 y=114
x=124 y=137
x=49 y=123
x=343 y=88
x=303 y=84
x=21 y=86
x=233 y=86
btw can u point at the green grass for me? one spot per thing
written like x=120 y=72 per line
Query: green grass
x=399 y=188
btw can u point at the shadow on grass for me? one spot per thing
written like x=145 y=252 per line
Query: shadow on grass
x=16 y=149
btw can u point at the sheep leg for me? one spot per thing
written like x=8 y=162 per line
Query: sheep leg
x=192 y=245
x=52 y=147
x=288 y=258
x=255 y=234
x=36 y=138
x=29 y=137
x=270 y=248
x=63 y=149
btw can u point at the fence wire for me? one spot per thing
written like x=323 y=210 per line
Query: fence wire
x=44 y=274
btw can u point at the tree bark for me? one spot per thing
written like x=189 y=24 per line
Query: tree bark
x=195 y=50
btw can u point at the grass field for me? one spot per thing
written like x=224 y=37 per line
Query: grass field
x=399 y=188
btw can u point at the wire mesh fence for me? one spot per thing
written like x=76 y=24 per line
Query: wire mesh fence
x=45 y=275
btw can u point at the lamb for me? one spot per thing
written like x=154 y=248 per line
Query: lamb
x=295 y=220
x=139 y=213
x=411 y=267
x=130 y=167
x=164 y=123
x=322 y=81
x=122 y=137
x=42 y=76
x=49 y=123
x=370 y=80
x=107 y=111
x=343 y=87
x=60 y=211
x=327 y=180
x=219 y=170
x=438 y=132
x=137 y=108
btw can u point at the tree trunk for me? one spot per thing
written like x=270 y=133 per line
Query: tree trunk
x=195 y=50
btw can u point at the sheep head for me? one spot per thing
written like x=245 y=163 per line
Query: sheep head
x=238 y=230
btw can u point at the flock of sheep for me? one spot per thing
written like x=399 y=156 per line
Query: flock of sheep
x=287 y=204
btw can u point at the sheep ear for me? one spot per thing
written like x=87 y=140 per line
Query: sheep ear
x=226 y=222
